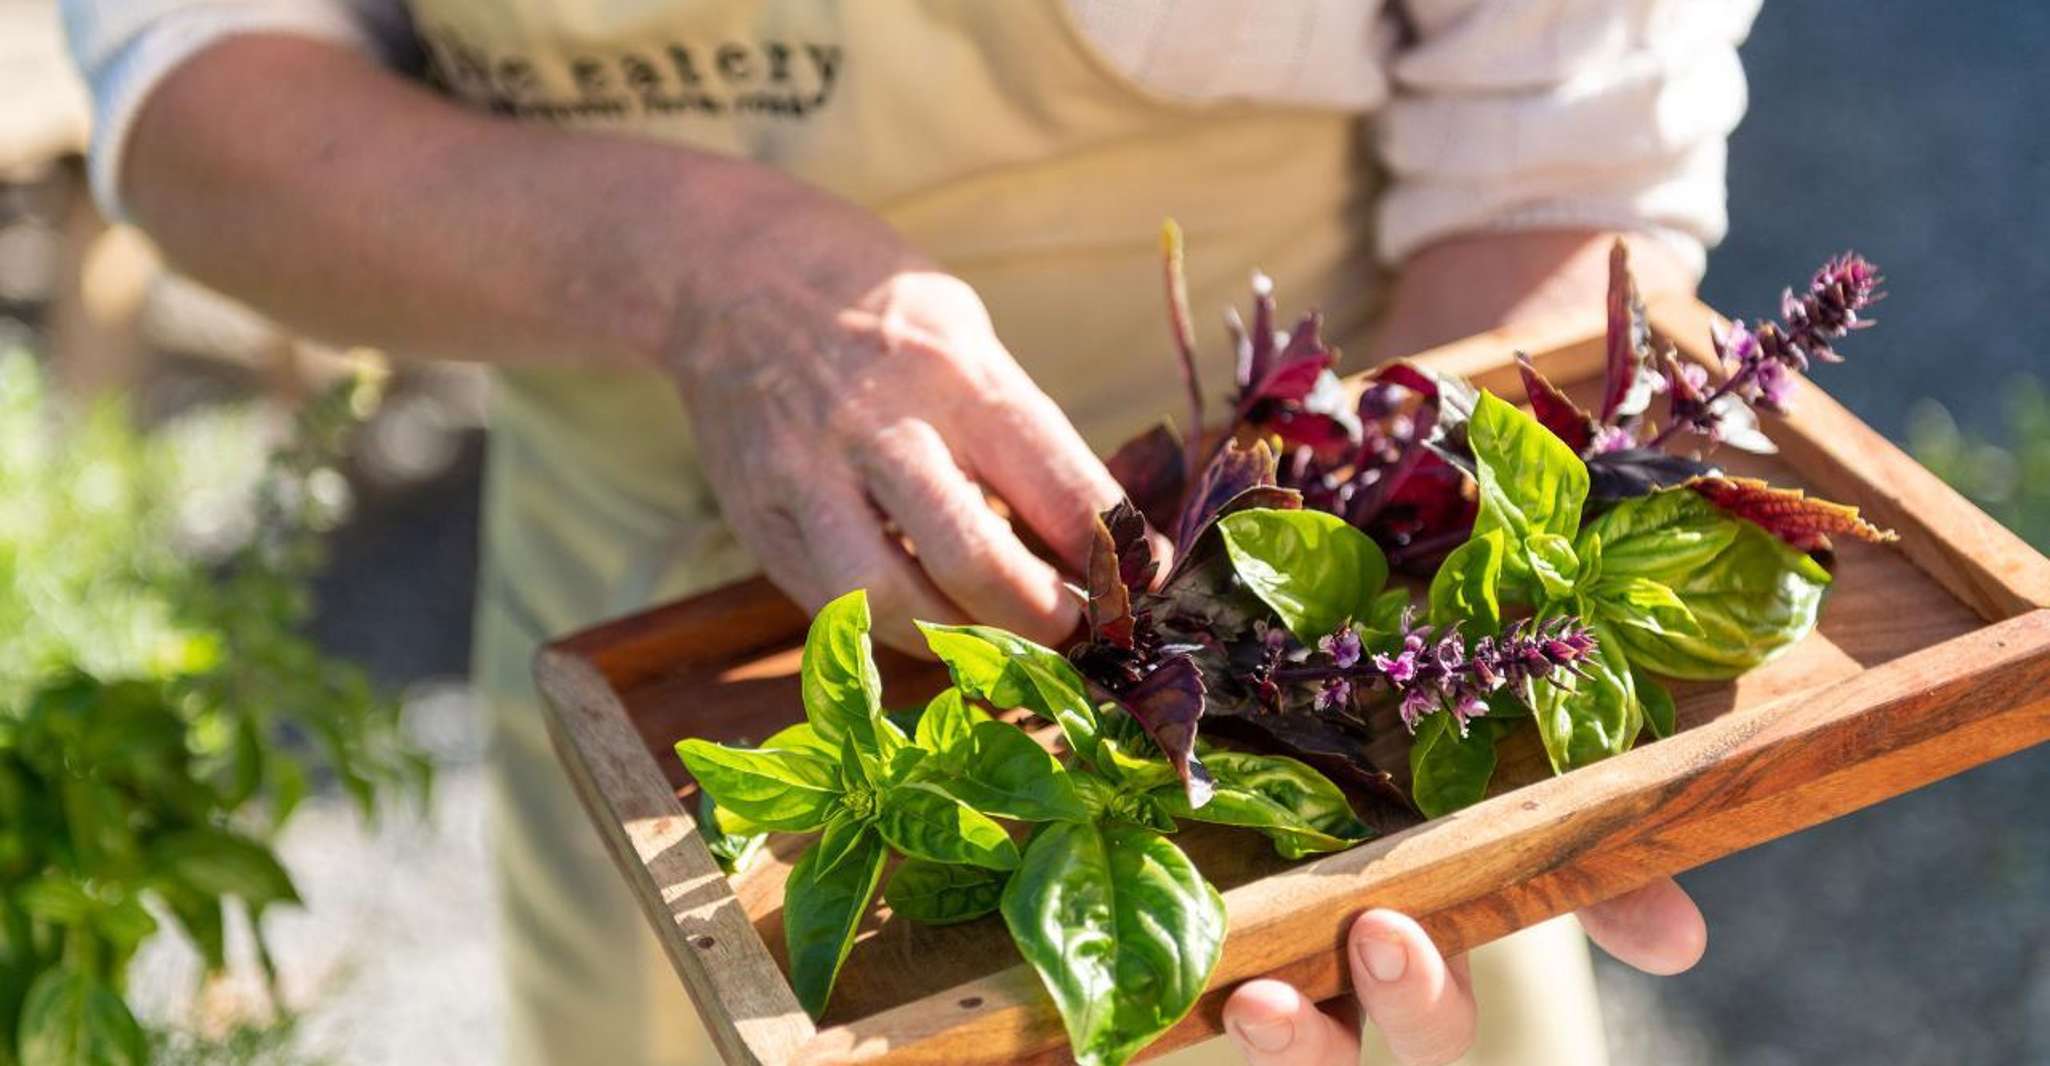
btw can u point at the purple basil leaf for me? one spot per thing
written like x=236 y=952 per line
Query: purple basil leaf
x=1169 y=704
x=1631 y=472
x=1127 y=529
x=1232 y=471
x=1632 y=377
x=1554 y=409
x=1149 y=468
x=1110 y=599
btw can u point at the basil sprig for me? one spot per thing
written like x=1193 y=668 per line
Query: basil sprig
x=1120 y=925
x=1670 y=584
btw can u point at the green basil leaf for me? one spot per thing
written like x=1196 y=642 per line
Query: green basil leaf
x=69 y=1018
x=1448 y=771
x=1661 y=536
x=1530 y=482
x=1553 y=562
x=946 y=722
x=1138 y=770
x=856 y=770
x=1293 y=805
x=224 y=864
x=1643 y=603
x=843 y=693
x=1659 y=712
x=909 y=763
x=1464 y=589
x=1314 y=569
x=942 y=894
x=1004 y=773
x=924 y=822
x=1008 y=671
x=1751 y=602
x=1122 y=929
x=1385 y=614
x=801 y=737
x=822 y=910
x=737 y=848
x=1596 y=718
x=842 y=837
x=793 y=791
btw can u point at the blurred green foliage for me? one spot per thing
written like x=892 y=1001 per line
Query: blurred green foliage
x=2006 y=471
x=161 y=713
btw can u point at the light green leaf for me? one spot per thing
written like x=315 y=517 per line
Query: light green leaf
x=822 y=909
x=1661 y=536
x=793 y=791
x=801 y=737
x=1553 y=563
x=1530 y=482
x=1464 y=589
x=946 y=722
x=70 y=1019
x=940 y=894
x=1448 y=771
x=1643 y=603
x=1007 y=671
x=736 y=848
x=1659 y=712
x=843 y=693
x=1316 y=571
x=1122 y=929
x=1751 y=602
x=1293 y=805
x=924 y=822
x=1003 y=772
x=843 y=836
x=1596 y=718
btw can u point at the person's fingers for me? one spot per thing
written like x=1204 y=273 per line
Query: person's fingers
x=1274 y=1025
x=1422 y=1004
x=1031 y=455
x=1656 y=928
x=844 y=548
x=964 y=546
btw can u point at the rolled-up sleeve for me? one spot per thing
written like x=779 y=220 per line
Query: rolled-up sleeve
x=1550 y=114
x=125 y=48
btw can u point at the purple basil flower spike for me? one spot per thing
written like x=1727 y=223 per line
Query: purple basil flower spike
x=1342 y=646
x=1437 y=670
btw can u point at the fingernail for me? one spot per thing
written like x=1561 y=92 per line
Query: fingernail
x=1269 y=1036
x=1385 y=959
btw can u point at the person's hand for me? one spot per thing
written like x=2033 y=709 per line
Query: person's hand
x=1422 y=1002
x=849 y=394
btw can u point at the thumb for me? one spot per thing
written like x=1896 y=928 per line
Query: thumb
x=1422 y=1004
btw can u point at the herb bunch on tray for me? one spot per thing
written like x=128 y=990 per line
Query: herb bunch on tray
x=1408 y=553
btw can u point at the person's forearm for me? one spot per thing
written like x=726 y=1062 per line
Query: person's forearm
x=324 y=190
x=1467 y=285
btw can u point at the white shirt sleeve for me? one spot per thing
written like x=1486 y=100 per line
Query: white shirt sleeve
x=125 y=48
x=1548 y=114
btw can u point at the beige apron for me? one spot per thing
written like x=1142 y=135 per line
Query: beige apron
x=995 y=140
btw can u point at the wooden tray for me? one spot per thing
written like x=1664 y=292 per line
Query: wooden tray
x=1932 y=656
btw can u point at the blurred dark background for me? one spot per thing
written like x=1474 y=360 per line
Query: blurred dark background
x=1914 y=932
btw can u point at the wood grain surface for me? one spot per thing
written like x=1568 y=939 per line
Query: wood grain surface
x=1932 y=656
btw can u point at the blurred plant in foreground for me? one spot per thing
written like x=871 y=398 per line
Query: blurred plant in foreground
x=160 y=712
x=2009 y=476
